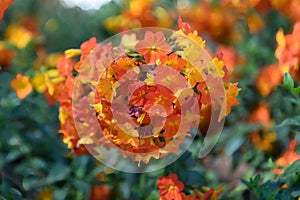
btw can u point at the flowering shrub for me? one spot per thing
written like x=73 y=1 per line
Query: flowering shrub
x=150 y=100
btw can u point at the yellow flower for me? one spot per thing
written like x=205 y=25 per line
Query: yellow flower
x=39 y=82
x=70 y=53
x=194 y=36
x=217 y=67
x=47 y=80
x=53 y=59
x=18 y=35
x=21 y=85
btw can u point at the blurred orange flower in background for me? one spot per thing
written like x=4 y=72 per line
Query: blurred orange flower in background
x=99 y=192
x=288 y=51
x=263 y=137
x=228 y=55
x=6 y=56
x=268 y=78
x=289 y=157
x=21 y=85
x=261 y=115
x=290 y=8
x=4 y=4
x=215 y=20
x=136 y=14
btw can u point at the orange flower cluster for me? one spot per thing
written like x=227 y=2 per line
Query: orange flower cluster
x=288 y=51
x=64 y=92
x=154 y=89
x=220 y=20
x=138 y=14
x=162 y=79
x=172 y=188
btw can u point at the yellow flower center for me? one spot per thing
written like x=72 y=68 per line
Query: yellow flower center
x=171 y=188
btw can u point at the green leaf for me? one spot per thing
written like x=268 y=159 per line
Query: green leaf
x=293 y=169
x=292 y=121
x=30 y=182
x=296 y=91
x=16 y=195
x=295 y=193
x=193 y=178
x=153 y=196
x=256 y=180
x=58 y=172
x=288 y=82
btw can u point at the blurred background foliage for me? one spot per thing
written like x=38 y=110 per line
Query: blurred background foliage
x=36 y=164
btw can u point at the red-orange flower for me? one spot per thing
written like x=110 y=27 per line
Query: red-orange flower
x=173 y=61
x=99 y=192
x=189 y=197
x=162 y=96
x=21 y=85
x=170 y=187
x=86 y=48
x=153 y=46
x=288 y=51
x=261 y=115
x=228 y=55
x=4 y=4
x=231 y=94
x=185 y=27
x=211 y=89
x=289 y=157
x=6 y=56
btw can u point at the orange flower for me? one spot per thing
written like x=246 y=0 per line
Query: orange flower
x=138 y=97
x=173 y=61
x=210 y=193
x=86 y=48
x=288 y=7
x=4 y=4
x=161 y=96
x=221 y=17
x=231 y=94
x=21 y=85
x=288 y=51
x=228 y=55
x=6 y=56
x=153 y=46
x=189 y=197
x=99 y=192
x=210 y=89
x=264 y=141
x=267 y=79
x=46 y=194
x=185 y=27
x=261 y=115
x=172 y=125
x=170 y=187
x=289 y=157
